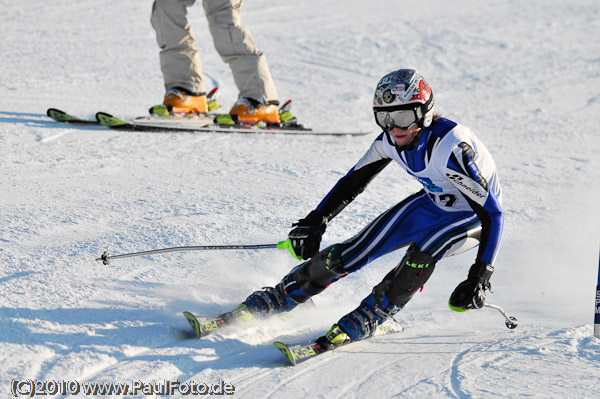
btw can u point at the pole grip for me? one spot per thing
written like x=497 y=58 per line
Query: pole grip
x=287 y=245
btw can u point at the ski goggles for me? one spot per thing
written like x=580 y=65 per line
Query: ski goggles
x=401 y=118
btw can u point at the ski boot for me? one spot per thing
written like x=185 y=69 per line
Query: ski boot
x=181 y=101
x=248 y=110
x=269 y=300
x=334 y=338
x=286 y=119
x=361 y=323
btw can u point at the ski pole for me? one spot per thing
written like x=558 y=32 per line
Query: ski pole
x=511 y=322
x=287 y=245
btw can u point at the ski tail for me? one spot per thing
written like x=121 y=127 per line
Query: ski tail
x=61 y=116
x=110 y=121
x=283 y=348
x=299 y=352
x=194 y=323
x=205 y=325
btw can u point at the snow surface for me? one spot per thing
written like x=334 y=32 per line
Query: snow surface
x=524 y=75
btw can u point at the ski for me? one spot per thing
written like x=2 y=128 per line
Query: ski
x=206 y=125
x=197 y=119
x=203 y=326
x=299 y=352
x=191 y=123
x=61 y=116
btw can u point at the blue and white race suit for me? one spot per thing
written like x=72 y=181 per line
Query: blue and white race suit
x=458 y=208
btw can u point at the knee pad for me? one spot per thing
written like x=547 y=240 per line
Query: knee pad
x=313 y=276
x=401 y=284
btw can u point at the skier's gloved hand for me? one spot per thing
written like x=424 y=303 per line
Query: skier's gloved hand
x=470 y=294
x=306 y=236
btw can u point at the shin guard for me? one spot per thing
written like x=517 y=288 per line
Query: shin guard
x=403 y=282
x=313 y=276
x=389 y=296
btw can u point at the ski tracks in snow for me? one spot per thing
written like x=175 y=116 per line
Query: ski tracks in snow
x=569 y=355
x=465 y=365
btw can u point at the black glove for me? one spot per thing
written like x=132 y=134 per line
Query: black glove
x=470 y=294
x=306 y=236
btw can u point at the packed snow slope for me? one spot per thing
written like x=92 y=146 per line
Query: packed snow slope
x=524 y=75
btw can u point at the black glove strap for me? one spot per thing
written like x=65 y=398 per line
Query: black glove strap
x=481 y=272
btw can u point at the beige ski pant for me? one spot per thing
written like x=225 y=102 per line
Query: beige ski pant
x=179 y=59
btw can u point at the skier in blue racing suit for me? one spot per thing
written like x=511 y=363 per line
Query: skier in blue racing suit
x=458 y=208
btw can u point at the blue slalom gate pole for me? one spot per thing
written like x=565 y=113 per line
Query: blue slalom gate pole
x=597 y=307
